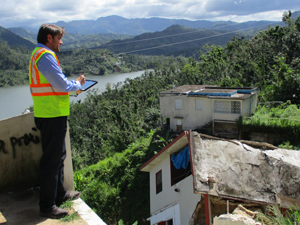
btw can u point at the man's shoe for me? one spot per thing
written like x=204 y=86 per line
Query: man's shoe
x=55 y=213
x=69 y=196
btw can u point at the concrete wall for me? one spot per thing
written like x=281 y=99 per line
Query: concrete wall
x=249 y=105
x=20 y=153
x=191 y=117
x=186 y=199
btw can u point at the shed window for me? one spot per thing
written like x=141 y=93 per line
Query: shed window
x=158 y=182
x=178 y=103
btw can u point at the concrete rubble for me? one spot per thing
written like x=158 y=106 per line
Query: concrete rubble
x=234 y=219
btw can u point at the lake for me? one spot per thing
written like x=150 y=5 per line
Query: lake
x=15 y=100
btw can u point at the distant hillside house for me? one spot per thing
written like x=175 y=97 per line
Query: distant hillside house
x=195 y=106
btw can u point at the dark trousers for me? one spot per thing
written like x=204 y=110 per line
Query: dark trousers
x=53 y=133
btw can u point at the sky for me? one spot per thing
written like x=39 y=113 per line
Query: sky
x=16 y=13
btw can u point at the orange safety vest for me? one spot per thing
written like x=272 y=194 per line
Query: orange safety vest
x=48 y=102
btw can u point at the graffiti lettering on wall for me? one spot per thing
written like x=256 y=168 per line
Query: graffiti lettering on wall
x=26 y=139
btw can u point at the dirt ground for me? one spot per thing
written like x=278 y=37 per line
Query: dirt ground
x=22 y=208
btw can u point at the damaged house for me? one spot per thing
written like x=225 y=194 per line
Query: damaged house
x=197 y=106
x=198 y=177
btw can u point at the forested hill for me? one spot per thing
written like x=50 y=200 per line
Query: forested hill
x=71 y=40
x=14 y=40
x=175 y=40
x=14 y=63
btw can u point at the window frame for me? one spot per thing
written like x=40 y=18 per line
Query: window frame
x=182 y=173
x=178 y=103
x=230 y=107
x=158 y=182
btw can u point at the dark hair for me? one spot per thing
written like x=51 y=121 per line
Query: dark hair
x=51 y=29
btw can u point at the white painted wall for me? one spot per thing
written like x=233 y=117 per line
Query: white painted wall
x=249 y=105
x=186 y=199
x=170 y=213
x=20 y=153
x=192 y=118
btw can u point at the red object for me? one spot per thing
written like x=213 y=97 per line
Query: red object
x=207 y=216
x=162 y=223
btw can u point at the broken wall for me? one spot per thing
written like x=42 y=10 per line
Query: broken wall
x=235 y=170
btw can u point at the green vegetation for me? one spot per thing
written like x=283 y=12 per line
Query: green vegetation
x=73 y=216
x=115 y=188
x=102 y=62
x=107 y=123
x=121 y=222
x=72 y=41
x=152 y=42
x=14 y=40
x=283 y=121
x=274 y=215
x=268 y=61
x=69 y=218
x=14 y=63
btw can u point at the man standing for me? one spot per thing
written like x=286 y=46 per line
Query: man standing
x=50 y=93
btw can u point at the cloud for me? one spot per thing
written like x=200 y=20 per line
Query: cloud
x=36 y=12
x=246 y=7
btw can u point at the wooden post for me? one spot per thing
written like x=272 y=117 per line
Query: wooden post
x=227 y=206
x=207 y=210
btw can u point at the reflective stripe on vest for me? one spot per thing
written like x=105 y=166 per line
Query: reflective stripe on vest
x=38 y=88
x=48 y=101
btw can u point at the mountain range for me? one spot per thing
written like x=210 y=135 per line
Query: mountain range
x=111 y=31
x=133 y=27
x=120 y=25
x=175 y=40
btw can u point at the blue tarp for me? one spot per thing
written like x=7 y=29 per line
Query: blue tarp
x=181 y=159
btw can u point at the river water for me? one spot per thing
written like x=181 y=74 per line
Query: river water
x=15 y=100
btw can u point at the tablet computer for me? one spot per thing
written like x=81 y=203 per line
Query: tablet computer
x=87 y=85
